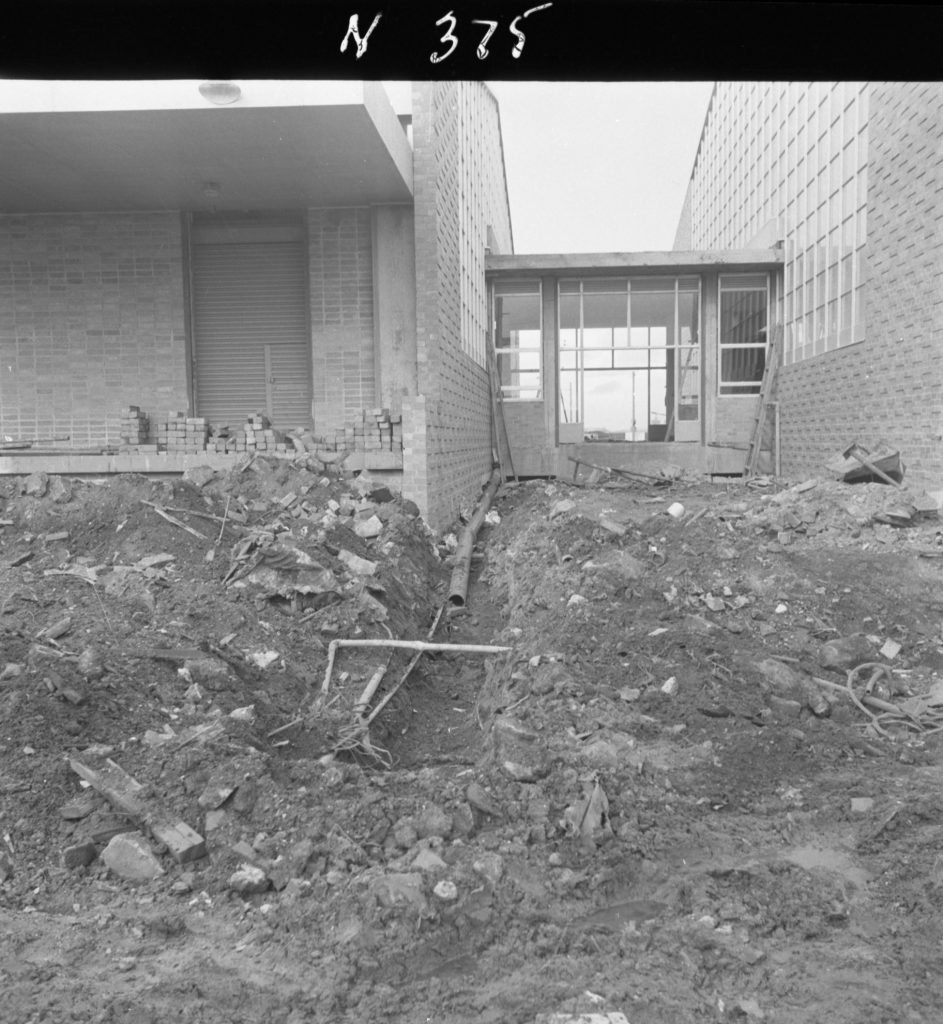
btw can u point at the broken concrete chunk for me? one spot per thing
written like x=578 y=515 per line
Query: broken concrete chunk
x=446 y=891
x=367 y=528
x=212 y=673
x=129 y=856
x=79 y=856
x=861 y=804
x=399 y=888
x=481 y=801
x=433 y=821
x=560 y=508
x=890 y=649
x=248 y=880
x=214 y=796
x=75 y=810
x=199 y=476
x=427 y=860
x=356 y=564
x=716 y=604
x=35 y=485
x=490 y=866
x=846 y=652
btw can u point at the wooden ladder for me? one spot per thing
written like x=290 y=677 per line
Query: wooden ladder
x=766 y=388
x=499 y=430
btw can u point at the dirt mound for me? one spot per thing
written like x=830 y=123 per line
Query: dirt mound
x=701 y=784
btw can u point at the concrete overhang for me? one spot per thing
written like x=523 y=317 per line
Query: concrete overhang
x=611 y=263
x=99 y=146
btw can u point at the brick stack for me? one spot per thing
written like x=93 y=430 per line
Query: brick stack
x=134 y=427
x=376 y=431
x=221 y=440
x=260 y=437
x=183 y=434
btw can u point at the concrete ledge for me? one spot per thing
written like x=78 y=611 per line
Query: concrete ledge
x=651 y=456
x=165 y=462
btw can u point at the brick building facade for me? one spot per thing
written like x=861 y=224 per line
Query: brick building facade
x=847 y=177
x=291 y=251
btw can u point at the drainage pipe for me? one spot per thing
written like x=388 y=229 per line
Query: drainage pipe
x=458 y=587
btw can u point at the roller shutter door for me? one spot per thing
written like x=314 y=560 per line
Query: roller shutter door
x=250 y=322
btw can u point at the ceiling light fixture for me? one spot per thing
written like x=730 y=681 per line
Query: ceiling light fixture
x=220 y=93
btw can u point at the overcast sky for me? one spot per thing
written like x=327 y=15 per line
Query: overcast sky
x=595 y=166
x=598 y=166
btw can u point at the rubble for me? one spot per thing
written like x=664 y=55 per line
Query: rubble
x=129 y=856
x=542 y=813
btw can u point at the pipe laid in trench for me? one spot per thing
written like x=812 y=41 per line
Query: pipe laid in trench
x=458 y=586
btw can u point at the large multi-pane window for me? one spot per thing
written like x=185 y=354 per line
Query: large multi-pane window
x=629 y=358
x=744 y=306
x=809 y=141
x=517 y=339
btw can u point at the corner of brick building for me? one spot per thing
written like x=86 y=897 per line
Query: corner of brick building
x=460 y=193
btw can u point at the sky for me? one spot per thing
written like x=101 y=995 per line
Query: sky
x=596 y=166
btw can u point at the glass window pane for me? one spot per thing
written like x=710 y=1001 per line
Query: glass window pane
x=688 y=318
x=569 y=311
x=741 y=281
x=517 y=287
x=603 y=310
x=743 y=317
x=631 y=359
x=653 y=284
x=605 y=284
x=594 y=360
x=654 y=310
x=742 y=365
x=516 y=313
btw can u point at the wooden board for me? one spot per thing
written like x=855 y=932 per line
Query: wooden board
x=113 y=782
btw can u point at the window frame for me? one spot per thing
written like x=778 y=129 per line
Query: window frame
x=744 y=389
x=503 y=289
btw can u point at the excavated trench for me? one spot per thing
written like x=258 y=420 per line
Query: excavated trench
x=440 y=716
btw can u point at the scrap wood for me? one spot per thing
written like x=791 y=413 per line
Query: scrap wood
x=23 y=442
x=630 y=473
x=173 y=519
x=125 y=792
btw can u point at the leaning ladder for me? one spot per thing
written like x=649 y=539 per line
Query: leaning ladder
x=766 y=388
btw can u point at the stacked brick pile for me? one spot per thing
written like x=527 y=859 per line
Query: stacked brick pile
x=258 y=436
x=134 y=427
x=183 y=434
x=377 y=431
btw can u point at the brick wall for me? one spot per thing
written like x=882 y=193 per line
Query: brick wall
x=890 y=386
x=342 y=335
x=460 y=193
x=91 y=320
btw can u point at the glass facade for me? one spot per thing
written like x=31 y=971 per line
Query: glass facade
x=517 y=317
x=629 y=358
x=788 y=161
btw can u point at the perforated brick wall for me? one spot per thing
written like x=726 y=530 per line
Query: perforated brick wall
x=340 y=264
x=91 y=321
x=460 y=193
x=890 y=386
